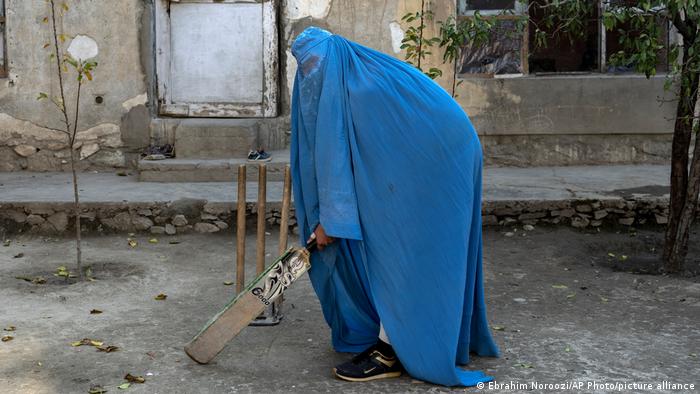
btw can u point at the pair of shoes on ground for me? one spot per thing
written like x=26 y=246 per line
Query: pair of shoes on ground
x=379 y=361
x=259 y=155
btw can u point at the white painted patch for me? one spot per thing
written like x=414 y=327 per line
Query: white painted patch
x=141 y=99
x=397 y=35
x=317 y=9
x=83 y=48
x=291 y=71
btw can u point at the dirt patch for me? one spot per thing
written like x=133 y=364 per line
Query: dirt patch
x=97 y=271
x=638 y=251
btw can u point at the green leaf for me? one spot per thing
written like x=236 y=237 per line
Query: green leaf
x=124 y=386
x=42 y=96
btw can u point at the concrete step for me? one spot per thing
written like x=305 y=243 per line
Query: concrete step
x=210 y=138
x=209 y=170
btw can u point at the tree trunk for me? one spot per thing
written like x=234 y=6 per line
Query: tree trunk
x=679 y=249
x=76 y=209
x=676 y=244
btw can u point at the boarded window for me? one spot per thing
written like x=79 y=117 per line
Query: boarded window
x=3 y=65
x=217 y=58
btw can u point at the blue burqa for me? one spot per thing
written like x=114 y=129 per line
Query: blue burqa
x=390 y=165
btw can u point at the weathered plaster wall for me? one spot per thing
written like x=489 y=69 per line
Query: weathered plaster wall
x=29 y=138
x=560 y=120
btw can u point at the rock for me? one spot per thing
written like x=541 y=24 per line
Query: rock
x=25 y=150
x=532 y=215
x=626 y=221
x=509 y=234
x=88 y=150
x=205 y=228
x=157 y=230
x=597 y=215
x=508 y=221
x=160 y=219
x=35 y=219
x=220 y=224
x=184 y=229
x=489 y=220
x=208 y=216
x=580 y=222
x=16 y=216
x=584 y=208
x=661 y=219
x=191 y=208
x=142 y=223
x=213 y=209
x=596 y=223
x=90 y=215
x=57 y=145
x=505 y=212
x=531 y=222
x=41 y=211
x=567 y=213
x=122 y=221
x=528 y=227
x=145 y=212
x=170 y=229
x=179 y=220
x=59 y=221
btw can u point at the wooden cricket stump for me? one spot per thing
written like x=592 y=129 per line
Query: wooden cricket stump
x=272 y=314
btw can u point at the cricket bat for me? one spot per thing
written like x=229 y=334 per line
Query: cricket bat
x=250 y=303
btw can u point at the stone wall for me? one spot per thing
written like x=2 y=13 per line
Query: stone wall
x=188 y=215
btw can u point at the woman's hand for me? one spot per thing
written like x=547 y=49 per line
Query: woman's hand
x=321 y=238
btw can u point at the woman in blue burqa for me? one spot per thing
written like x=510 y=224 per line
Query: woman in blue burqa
x=387 y=178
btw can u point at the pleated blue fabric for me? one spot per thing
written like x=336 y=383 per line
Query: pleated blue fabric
x=391 y=166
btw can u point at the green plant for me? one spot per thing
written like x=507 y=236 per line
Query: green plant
x=416 y=44
x=83 y=69
x=640 y=36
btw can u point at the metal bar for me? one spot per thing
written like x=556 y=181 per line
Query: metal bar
x=240 y=230
x=262 y=195
x=286 y=199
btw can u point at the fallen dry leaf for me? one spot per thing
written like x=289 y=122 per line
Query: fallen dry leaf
x=228 y=283
x=10 y=328
x=134 y=379
x=153 y=240
x=97 y=389
x=559 y=286
x=161 y=297
x=498 y=328
x=132 y=243
x=18 y=255
x=95 y=311
x=87 y=341
x=107 y=349
x=124 y=386
x=7 y=338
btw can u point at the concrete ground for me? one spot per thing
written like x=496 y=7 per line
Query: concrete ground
x=564 y=306
x=516 y=184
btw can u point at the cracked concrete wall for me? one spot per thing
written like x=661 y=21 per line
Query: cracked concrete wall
x=29 y=136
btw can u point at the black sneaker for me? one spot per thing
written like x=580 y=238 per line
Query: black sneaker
x=377 y=362
x=259 y=155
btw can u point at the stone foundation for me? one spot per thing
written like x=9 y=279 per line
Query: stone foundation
x=192 y=215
